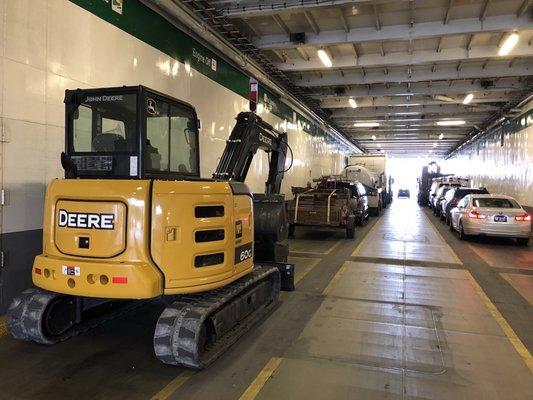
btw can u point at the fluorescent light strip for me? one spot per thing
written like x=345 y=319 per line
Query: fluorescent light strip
x=508 y=45
x=353 y=103
x=468 y=98
x=451 y=122
x=324 y=57
x=366 y=124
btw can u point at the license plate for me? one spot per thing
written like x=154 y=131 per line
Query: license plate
x=500 y=218
x=73 y=271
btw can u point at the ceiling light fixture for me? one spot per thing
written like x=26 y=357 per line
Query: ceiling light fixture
x=451 y=122
x=508 y=44
x=441 y=136
x=366 y=124
x=324 y=57
x=468 y=98
x=352 y=102
x=373 y=137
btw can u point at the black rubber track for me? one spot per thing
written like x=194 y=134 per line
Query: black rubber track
x=24 y=318
x=178 y=331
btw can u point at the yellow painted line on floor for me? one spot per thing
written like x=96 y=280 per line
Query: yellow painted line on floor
x=174 y=385
x=515 y=286
x=430 y=223
x=3 y=327
x=308 y=269
x=335 y=278
x=511 y=335
x=365 y=239
x=255 y=387
x=334 y=246
x=329 y=250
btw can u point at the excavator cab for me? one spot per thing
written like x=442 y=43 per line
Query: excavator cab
x=130 y=132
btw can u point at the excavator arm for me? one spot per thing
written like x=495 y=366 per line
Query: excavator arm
x=250 y=134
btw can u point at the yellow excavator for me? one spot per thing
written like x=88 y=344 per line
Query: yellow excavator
x=133 y=220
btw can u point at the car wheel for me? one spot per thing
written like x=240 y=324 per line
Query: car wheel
x=350 y=233
x=522 y=241
x=291 y=230
x=462 y=234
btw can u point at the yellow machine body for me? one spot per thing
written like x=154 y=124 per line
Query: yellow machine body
x=139 y=239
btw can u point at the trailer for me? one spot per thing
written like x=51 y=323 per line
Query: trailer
x=334 y=202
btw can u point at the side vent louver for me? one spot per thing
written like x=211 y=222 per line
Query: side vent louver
x=211 y=235
x=208 y=211
x=208 y=259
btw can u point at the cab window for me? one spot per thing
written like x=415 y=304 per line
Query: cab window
x=105 y=124
x=171 y=138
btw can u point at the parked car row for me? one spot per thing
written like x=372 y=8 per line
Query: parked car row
x=476 y=212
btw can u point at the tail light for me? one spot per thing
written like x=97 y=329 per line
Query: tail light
x=523 y=217
x=475 y=215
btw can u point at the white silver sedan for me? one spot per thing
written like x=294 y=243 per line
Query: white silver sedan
x=491 y=215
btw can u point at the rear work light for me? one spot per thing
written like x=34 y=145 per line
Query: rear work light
x=476 y=215
x=523 y=217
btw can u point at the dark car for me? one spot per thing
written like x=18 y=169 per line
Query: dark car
x=404 y=193
x=453 y=197
x=439 y=197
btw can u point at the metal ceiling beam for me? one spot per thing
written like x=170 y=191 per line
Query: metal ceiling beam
x=421 y=30
x=344 y=22
x=523 y=7
x=484 y=10
x=377 y=22
x=281 y=24
x=386 y=101
x=448 y=12
x=312 y=22
x=460 y=87
x=243 y=9
x=302 y=53
x=380 y=111
x=354 y=77
x=404 y=58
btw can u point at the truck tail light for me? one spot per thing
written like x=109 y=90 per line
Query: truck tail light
x=475 y=215
x=523 y=217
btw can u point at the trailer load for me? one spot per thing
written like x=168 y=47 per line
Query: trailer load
x=377 y=164
x=334 y=202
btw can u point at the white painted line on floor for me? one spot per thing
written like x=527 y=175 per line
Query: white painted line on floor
x=335 y=278
x=174 y=385
x=308 y=269
x=255 y=387
x=511 y=335
x=366 y=238
x=329 y=250
x=430 y=223
x=511 y=282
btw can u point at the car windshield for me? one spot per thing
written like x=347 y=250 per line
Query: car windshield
x=494 y=202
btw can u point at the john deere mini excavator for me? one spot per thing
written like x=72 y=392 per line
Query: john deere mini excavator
x=133 y=220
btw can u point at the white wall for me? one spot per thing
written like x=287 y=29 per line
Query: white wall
x=48 y=46
x=506 y=169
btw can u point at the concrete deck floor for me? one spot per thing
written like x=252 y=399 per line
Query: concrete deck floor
x=405 y=311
